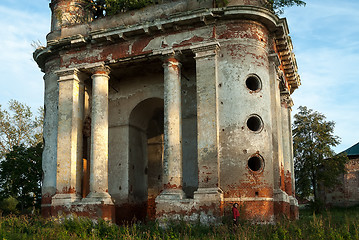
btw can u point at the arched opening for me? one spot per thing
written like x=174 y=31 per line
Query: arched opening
x=145 y=156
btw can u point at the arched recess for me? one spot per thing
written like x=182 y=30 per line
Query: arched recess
x=145 y=156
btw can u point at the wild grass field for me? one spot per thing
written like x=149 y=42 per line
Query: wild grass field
x=333 y=224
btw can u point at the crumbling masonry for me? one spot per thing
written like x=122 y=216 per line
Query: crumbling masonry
x=174 y=111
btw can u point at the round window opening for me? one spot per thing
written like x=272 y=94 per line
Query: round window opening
x=253 y=83
x=255 y=163
x=255 y=123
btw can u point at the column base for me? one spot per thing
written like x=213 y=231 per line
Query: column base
x=208 y=194
x=98 y=198
x=209 y=205
x=294 y=208
x=96 y=205
x=65 y=198
x=280 y=196
x=206 y=206
x=281 y=204
x=171 y=194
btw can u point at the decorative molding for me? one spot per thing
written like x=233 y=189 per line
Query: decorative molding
x=286 y=99
x=68 y=74
x=100 y=69
x=205 y=46
x=273 y=57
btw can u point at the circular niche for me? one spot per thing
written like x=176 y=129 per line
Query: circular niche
x=255 y=123
x=255 y=163
x=254 y=83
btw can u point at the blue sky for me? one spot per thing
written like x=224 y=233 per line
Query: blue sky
x=325 y=36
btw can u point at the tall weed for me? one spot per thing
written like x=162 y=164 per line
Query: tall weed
x=334 y=224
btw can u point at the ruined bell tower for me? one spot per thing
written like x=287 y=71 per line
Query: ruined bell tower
x=173 y=111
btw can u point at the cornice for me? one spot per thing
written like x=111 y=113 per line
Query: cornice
x=122 y=33
x=289 y=63
x=200 y=16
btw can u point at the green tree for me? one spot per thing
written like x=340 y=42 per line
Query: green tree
x=278 y=5
x=315 y=162
x=19 y=126
x=20 y=176
x=111 y=7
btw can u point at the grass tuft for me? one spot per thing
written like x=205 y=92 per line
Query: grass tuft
x=333 y=224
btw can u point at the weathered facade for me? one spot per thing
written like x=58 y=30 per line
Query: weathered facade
x=176 y=110
x=346 y=193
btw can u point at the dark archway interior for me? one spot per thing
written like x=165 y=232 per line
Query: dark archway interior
x=146 y=153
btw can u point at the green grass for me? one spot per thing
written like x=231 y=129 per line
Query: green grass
x=333 y=224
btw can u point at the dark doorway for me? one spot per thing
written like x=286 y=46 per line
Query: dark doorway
x=146 y=154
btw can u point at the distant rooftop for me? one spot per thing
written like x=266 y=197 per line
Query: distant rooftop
x=353 y=150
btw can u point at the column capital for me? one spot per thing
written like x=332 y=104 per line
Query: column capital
x=286 y=100
x=67 y=74
x=170 y=57
x=274 y=58
x=100 y=70
x=205 y=49
x=171 y=60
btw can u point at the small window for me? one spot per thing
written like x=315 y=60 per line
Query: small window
x=254 y=83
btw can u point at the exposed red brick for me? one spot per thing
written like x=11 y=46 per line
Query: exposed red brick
x=151 y=207
x=194 y=39
x=244 y=30
x=294 y=212
x=282 y=209
x=261 y=211
x=288 y=183
x=67 y=190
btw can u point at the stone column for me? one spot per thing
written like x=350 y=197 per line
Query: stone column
x=286 y=104
x=99 y=137
x=69 y=137
x=291 y=147
x=207 y=119
x=294 y=207
x=172 y=159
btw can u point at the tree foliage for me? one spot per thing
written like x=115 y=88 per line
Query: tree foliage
x=111 y=7
x=278 y=5
x=315 y=162
x=19 y=126
x=20 y=176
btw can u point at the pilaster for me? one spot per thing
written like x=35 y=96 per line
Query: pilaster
x=207 y=120
x=69 y=136
x=49 y=154
x=278 y=165
x=281 y=199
